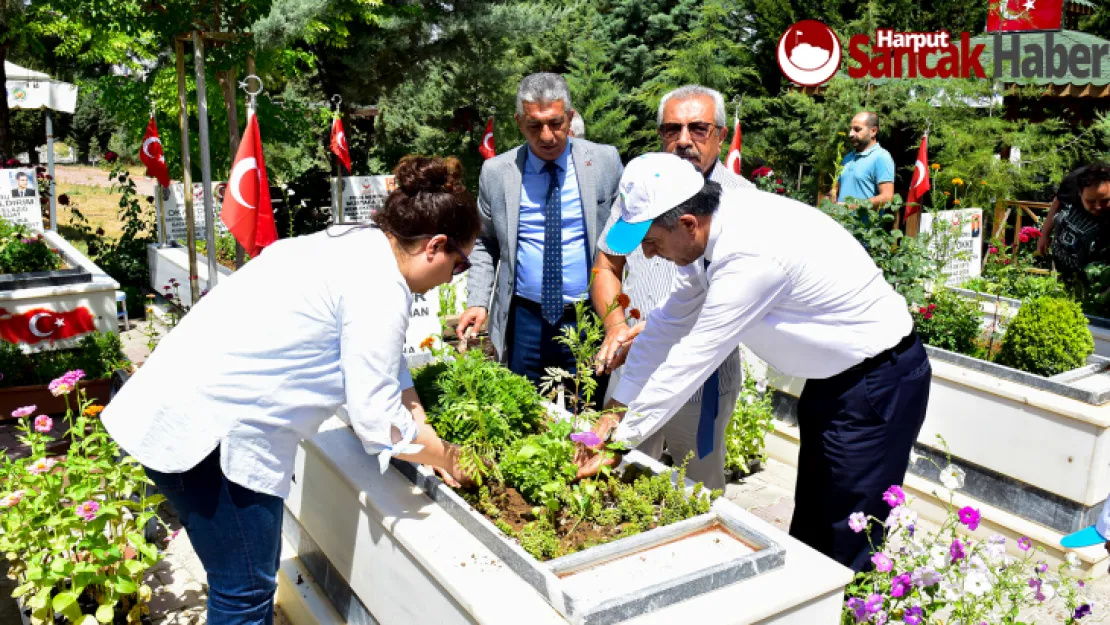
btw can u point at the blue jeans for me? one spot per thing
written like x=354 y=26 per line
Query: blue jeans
x=236 y=533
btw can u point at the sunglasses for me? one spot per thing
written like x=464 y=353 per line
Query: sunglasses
x=464 y=261
x=699 y=131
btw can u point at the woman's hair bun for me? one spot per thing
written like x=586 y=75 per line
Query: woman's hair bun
x=421 y=174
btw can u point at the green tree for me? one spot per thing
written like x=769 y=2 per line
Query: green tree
x=597 y=97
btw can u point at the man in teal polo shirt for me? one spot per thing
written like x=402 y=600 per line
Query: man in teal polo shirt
x=868 y=172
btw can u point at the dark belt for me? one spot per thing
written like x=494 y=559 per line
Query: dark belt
x=523 y=302
x=886 y=355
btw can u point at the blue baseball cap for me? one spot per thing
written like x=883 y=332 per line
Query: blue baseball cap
x=1093 y=535
x=651 y=185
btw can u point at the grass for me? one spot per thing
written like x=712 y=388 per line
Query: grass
x=100 y=205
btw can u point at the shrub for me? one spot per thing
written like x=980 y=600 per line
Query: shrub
x=949 y=321
x=1049 y=335
x=752 y=420
x=97 y=354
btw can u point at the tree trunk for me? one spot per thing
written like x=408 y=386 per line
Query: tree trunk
x=228 y=83
x=5 y=112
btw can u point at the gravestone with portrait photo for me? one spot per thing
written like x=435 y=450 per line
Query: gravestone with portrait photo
x=19 y=198
x=958 y=236
x=173 y=199
x=363 y=195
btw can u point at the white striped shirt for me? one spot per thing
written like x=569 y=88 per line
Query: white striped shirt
x=648 y=281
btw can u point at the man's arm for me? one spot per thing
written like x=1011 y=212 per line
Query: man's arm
x=690 y=336
x=487 y=252
x=606 y=288
x=884 y=179
x=886 y=194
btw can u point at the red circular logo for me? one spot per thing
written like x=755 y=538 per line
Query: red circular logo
x=809 y=53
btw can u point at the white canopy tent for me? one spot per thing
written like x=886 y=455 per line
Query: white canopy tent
x=28 y=89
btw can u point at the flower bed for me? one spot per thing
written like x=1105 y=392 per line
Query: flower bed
x=72 y=528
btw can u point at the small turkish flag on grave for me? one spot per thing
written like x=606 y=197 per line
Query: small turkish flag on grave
x=151 y=155
x=247 y=210
x=919 y=185
x=733 y=161
x=39 y=324
x=339 y=143
x=1024 y=15
x=487 y=149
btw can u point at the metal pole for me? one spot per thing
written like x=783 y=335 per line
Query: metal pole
x=336 y=185
x=50 y=169
x=205 y=160
x=160 y=208
x=187 y=174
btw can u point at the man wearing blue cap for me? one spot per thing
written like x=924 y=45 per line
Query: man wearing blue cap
x=800 y=292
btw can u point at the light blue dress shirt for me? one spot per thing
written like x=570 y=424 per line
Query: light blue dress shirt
x=530 y=239
x=863 y=172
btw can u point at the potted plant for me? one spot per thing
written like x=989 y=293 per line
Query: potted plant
x=71 y=528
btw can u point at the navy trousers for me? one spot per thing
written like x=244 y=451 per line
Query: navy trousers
x=530 y=345
x=857 y=429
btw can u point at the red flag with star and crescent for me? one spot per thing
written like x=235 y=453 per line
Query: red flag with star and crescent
x=339 y=143
x=247 y=210
x=151 y=155
x=487 y=149
x=919 y=185
x=39 y=324
x=1024 y=15
x=733 y=161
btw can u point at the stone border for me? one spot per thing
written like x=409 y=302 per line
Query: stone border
x=543 y=576
x=328 y=579
x=1055 y=384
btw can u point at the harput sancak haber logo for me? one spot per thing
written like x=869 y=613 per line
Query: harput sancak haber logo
x=809 y=53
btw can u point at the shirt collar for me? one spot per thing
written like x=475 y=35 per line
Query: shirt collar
x=874 y=146
x=534 y=164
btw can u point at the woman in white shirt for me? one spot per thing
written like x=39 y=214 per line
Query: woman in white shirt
x=216 y=413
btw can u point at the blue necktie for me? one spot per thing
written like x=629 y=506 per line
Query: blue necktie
x=709 y=400
x=551 y=298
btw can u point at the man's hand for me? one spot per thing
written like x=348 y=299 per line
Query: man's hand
x=618 y=340
x=591 y=461
x=475 y=317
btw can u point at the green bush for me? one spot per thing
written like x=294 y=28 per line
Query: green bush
x=1049 y=335
x=97 y=354
x=22 y=252
x=950 y=322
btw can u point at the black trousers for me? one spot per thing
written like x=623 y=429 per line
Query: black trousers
x=857 y=429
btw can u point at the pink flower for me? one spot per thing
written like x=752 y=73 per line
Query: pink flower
x=970 y=517
x=992 y=250
x=1025 y=544
x=65 y=384
x=858 y=522
x=900 y=585
x=1024 y=238
x=589 y=439
x=25 y=411
x=172 y=536
x=87 y=510
x=895 y=496
x=7 y=501
x=882 y=562
x=41 y=465
x=956 y=550
x=43 y=423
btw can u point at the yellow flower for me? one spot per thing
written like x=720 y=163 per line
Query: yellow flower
x=842 y=134
x=935 y=166
x=957 y=181
x=428 y=343
x=93 y=410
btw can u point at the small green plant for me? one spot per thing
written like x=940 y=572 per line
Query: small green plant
x=72 y=527
x=21 y=252
x=1048 y=335
x=949 y=322
x=752 y=420
x=542 y=465
x=97 y=354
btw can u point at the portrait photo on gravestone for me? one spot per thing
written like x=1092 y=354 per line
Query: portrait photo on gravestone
x=19 y=200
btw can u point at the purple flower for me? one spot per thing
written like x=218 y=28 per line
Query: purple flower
x=856 y=605
x=879 y=618
x=1041 y=567
x=956 y=550
x=1025 y=544
x=874 y=604
x=1082 y=611
x=894 y=496
x=900 y=585
x=970 y=517
x=65 y=384
x=589 y=439
x=858 y=522
x=25 y=411
x=913 y=616
x=882 y=562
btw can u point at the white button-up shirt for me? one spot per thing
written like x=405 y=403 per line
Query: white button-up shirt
x=784 y=279
x=258 y=364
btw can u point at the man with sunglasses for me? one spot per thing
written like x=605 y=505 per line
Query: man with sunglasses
x=692 y=126
x=542 y=207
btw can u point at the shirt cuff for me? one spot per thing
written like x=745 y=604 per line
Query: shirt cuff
x=402 y=446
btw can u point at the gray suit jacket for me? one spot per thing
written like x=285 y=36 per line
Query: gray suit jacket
x=598 y=169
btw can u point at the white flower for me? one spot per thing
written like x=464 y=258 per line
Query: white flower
x=914 y=457
x=952 y=477
x=996 y=547
x=749 y=400
x=951 y=591
x=1073 y=560
x=938 y=557
x=1049 y=587
x=761 y=386
x=977 y=583
x=291 y=192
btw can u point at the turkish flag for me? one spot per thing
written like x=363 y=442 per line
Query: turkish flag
x=39 y=324
x=151 y=155
x=247 y=210
x=919 y=185
x=487 y=149
x=1024 y=15
x=339 y=143
x=733 y=160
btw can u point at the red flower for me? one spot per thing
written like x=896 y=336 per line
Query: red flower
x=63 y=199
x=1024 y=238
x=12 y=162
x=110 y=156
x=992 y=250
x=634 y=313
x=927 y=316
x=1005 y=261
x=778 y=181
x=923 y=310
x=624 y=301
x=932 y=307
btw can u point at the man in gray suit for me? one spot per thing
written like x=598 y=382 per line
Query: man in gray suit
x=542 y=205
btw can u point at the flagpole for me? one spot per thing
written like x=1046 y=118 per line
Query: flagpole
x=186 y=173
x=336 y=193
x=735 y=123
x=205 y=160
